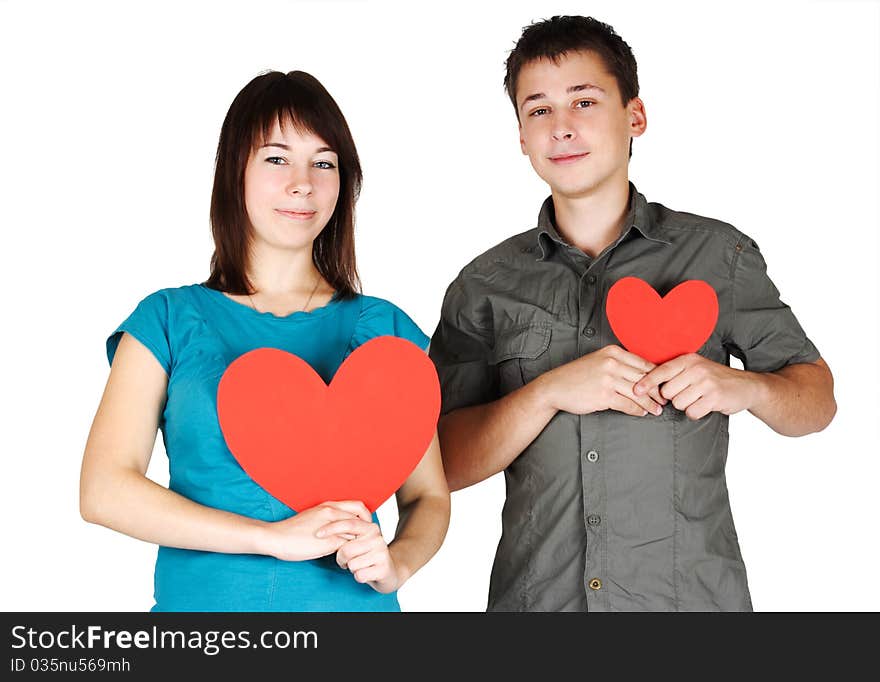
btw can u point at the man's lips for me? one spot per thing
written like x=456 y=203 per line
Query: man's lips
x=564 y=159
x=296 y=215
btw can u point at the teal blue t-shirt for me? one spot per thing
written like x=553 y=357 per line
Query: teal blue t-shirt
x=195 y=333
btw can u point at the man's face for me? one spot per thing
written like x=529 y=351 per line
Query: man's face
x=573 y=126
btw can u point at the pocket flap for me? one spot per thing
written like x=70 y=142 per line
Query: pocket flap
x=527 y=341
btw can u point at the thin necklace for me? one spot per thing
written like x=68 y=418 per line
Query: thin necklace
x=309 y=300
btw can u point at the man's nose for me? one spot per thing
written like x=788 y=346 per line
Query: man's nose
x=562 y=128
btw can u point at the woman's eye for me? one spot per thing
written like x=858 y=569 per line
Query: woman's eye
x=324 y=164
x=275 y=160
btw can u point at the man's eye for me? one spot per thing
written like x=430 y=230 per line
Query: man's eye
x=584 y=104
x=324 y=164
x=539 y=112
x=275 y=160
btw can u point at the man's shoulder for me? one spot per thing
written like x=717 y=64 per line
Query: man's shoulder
x=519 y=248
x=675 y=226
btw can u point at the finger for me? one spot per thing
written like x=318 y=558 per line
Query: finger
x=346 y=552
x=633 y=375
x=674 y=386
x=699 y=409
x=342 y=557
x=372 y=558
x=635 y=361
x=370 y=574
x=355 y=507
x=656 y=397
x=627 y=406
x=657 y=376
x=687 y=397
x=625 y=389
x=360 y=546
x=354 y=527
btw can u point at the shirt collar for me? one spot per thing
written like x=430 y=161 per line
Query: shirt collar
x=637 y=217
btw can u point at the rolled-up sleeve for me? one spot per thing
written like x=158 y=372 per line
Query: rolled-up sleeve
x=461 y=349
x=763 y=331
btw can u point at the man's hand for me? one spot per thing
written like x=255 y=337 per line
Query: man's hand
x=699 y=386
x=602 y=380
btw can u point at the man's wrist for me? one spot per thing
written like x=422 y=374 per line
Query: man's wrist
x=542 y=387
x=759 y=389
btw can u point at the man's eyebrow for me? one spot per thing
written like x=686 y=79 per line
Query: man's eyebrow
x=571 y=89
x=284 y=146
x=584 y=86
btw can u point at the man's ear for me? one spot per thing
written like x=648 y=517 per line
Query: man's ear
x=522 y=142
x=638 y=118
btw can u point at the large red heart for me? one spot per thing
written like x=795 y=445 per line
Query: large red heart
x=357 y=439
x=659 y=329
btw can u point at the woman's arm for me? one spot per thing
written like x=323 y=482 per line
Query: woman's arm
x=423 y=514
x=115 y=492
x=423 y=505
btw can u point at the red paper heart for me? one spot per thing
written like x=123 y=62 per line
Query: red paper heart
x=357 y=439
x=659 y=329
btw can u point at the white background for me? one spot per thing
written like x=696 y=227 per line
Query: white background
x=763 y=115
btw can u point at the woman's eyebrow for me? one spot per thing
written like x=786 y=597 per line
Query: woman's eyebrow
x=284 y=146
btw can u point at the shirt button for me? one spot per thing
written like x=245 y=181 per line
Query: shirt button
x=595 y=584
x=591 y=279
x=594 y=519
x=593 y=456
x=589 y=332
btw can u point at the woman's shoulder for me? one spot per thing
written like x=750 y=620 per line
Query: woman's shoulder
x=174 y=295
x=380 y=317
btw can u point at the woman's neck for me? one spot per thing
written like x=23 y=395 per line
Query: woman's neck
x=275 y=274
x=285 y=282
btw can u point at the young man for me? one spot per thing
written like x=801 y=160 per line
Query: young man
x=616 y=495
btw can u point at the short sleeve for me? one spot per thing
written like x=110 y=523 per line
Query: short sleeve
x=763 y=333
x=149 y=324
x=379 y=317
x=461 y=350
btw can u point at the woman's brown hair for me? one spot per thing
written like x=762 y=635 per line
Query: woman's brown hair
x=297 y=98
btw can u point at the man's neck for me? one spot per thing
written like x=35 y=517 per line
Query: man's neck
x=594 y=221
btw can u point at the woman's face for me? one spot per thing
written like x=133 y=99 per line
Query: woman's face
x=291 y=184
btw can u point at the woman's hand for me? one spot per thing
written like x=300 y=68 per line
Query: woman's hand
x=297 y=539
x=367 y=556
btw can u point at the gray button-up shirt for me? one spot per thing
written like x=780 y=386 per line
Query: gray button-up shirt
x=608 y=512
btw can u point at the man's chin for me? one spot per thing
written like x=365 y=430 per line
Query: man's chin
x=574 y=191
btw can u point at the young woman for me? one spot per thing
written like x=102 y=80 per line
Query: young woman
x=283 y=275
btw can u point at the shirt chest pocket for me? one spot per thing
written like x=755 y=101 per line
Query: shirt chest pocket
x=521 y=355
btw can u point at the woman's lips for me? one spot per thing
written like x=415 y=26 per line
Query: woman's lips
x=566 y=159
x=296 y=215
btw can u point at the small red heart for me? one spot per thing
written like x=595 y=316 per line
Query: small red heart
x=306 y=442
x=659 y=329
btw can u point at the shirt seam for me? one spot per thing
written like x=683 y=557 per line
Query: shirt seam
x=676 y=504
x=354 y=328
x=732 y=281
x=715 y=231
x=457 y=283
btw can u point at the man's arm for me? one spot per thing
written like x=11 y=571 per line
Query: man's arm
x=479 y=441
x=796 y=400
x=793 y=401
